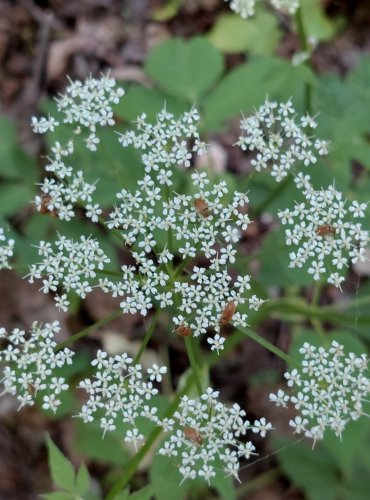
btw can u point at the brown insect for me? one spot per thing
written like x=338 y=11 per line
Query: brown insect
x=227 y=313
x=193 y=435
x=44 y=207
x=31 y=389
x=183 y=330
x=326 y=230
x=201 y=206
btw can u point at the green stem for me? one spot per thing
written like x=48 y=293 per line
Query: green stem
x=133 y=464
x=87 y=330
x=264 y=343
x=193 y=363
x=316 y=322
x=274 y=194
x=305 y=48
x=147 y=336
x=316 y=294
x=116 y=274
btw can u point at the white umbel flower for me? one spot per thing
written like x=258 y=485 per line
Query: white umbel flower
x=86 y=106
x=289 y=6
x=165 y=144
x=205 y=431
x=245 y=8
x=120 y=392
x=324 y=231
x=279 y=139
x=68 y=265
x=31 y=365
x=328 y=390
x=6 y=250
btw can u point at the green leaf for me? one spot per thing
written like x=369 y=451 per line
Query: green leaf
x=145 y=493
x=123 y=495
x=246 y=87
x=311 y=470
x=274 y=263
x=139 y=99
x=167 y=11
x=14 y=163
x=14 y=197
x=90 y=442
x=346 y=450
x=82 y=480
x=61 y=469
x=58 y=495
x=166 y=479
x=185 y=69
x=231 y=33
x=316 y=23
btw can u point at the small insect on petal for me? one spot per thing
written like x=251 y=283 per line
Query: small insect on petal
x=44 y=207
x=183 y=330
x=227 y=313
x=201 y=206
x=326 y=230
x=193 y=435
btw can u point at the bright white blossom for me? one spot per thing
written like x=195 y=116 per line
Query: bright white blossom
x=120 y=391
x=245 y=8
x=31 y=364
x=205 y=431
x=204 y=223
x=86 y=106
x=328 y=390
x=279 y=139
x=289 y=6
x=165 y=144
x=325 y=232
x=6 y=250
x=68 y=265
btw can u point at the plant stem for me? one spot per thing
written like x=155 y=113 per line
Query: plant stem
x=147 y=336
x=283 y=185
x=316 y=294
x=193 y=363
x=265 y=343
x=133 y=464
x=87 y=330
x=258 y=482
x=305 y=48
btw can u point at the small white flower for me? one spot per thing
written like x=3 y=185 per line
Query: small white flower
x=326 y=237
x=280 y=142
x=204 y=432
x=216 y=343
x=6 y=250
x=32 y=365
x=327 y=391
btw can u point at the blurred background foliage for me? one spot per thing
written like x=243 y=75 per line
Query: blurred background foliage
x=200 y=54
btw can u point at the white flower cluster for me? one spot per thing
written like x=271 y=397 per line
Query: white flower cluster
x=279 y=139
x=245 y=8
x=323 y=232
x=290 y=6
x=206 y=431
x=32 y=365
x=198 y=223
x=121 y=392
x=165 y=143
x=6 y=250
x=68 y=265
x=328 y=390
x=86 y=105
